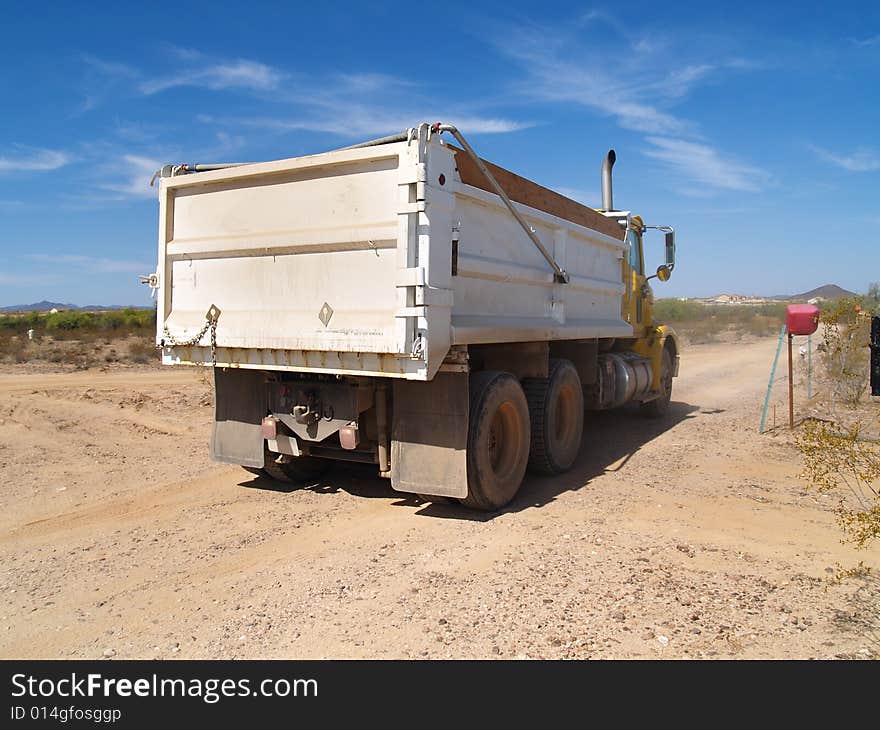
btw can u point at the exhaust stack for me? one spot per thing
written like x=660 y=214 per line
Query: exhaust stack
x=607 y=194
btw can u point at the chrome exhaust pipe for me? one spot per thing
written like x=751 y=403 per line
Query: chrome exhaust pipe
x=607 y=194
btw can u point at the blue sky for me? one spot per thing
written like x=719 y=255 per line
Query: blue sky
x=753 y=129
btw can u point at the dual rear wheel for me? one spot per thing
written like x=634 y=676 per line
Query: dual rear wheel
x=536 y=425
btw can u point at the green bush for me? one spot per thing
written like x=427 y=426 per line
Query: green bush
x=126 y=320
x=72 y=320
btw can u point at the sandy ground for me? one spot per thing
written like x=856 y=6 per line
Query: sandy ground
x=688 y=537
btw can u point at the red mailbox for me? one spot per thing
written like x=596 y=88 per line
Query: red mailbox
x=801 y=319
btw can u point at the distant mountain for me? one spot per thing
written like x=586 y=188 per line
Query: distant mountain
x=47 y=306
x=828 y=291
x=43 y=306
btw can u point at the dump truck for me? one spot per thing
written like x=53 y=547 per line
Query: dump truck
x=406 y=304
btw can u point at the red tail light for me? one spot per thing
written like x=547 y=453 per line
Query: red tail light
x=269 y=427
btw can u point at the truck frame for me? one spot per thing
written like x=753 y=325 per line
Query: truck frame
x=406 y=304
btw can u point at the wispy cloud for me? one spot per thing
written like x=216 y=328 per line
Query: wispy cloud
x=871 y=41
x=238 y=74
x=33 y=158
x=679 y=82
x=136 y=179
x=20 y=280
x=101 y=78
x=352 y=105
x=355 y=120
x=92 y=264
x=552 y=79
x=703 y=164
x=862 y=160
x=192 y=69
x=348 y=104
x=639 y=89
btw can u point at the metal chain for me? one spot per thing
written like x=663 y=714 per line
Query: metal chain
x=210 y=324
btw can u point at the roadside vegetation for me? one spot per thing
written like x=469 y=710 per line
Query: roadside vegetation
x=81 y=339
x=841 y=451
x=700 y=323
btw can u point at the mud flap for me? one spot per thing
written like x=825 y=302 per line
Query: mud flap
x=240 y=404
x=429 y=436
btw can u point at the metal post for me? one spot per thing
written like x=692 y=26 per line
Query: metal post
x=790 y=387
x=809 y=366
x=772 y=375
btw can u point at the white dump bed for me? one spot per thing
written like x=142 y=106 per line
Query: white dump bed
x=369 y=261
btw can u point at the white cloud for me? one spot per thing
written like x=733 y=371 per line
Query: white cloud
x=20 y=279
x=92 y=264
x=862 y=160
x=637 y=88
x=354 y=120
x=102 y=79
x=561 y=81
x=678 y=82
x=136 y=182
x=239 y=74
x=703 y=164
x=33 y=158
x=872 y=41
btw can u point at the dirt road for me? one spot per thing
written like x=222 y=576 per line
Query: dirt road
x=687 y=537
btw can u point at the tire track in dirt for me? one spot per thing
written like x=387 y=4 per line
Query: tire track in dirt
x=694 y=528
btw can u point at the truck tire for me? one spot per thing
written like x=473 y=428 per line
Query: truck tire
x=498 y=440
x=556 y=412
x=657 y=408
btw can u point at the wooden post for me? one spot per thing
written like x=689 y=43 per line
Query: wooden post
x=790 y=387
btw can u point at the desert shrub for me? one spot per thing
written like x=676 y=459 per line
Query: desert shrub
x=701 y=323
x=845 y=462
x=72 y=320
x=846 y=334
x=871 y=300
x=143 y=351
x=19 y=322
x=675 y=310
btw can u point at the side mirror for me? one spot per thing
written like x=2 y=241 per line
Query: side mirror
x=670 y=253
x=664 y=272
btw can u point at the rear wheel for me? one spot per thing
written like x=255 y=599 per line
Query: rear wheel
x=498 y=440
x=657 y=408
x=556 y=412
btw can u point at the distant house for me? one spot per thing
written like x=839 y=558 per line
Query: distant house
x=54 y=310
